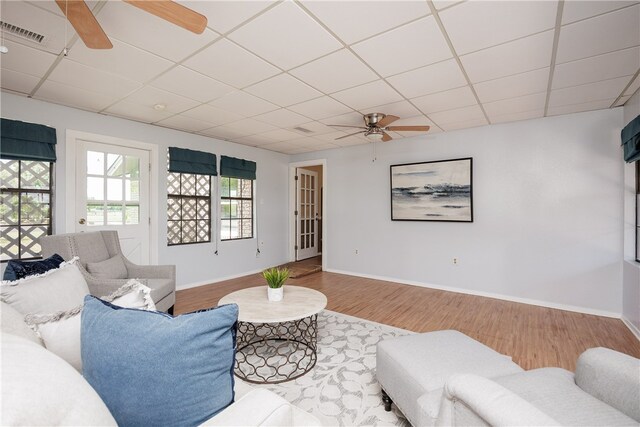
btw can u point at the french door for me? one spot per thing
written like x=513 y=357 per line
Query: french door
x=112 y=193
x=306 y=214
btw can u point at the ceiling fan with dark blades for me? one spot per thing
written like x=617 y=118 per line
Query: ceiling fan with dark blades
x=377 y=125
x=94 y=37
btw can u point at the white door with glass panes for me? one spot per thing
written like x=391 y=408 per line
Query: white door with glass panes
x=112 y=193
x=306 y=214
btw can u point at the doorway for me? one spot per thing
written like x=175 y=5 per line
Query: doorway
x=307 y=202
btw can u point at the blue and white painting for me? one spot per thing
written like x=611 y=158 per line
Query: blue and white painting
x=432 y=191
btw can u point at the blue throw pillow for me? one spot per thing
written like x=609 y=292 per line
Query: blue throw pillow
x=17 y=269
x=152 y=369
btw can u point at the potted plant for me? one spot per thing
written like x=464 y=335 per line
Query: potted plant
x=275 y=278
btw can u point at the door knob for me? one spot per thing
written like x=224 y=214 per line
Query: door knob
x=82 y=221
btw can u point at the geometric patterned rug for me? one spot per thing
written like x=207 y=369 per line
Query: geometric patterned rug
x=341 y=389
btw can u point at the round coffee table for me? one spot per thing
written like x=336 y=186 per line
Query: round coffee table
x=276 y=341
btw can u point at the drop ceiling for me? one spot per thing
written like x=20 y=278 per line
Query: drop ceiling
x=273 y=74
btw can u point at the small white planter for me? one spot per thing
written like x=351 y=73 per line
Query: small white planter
x=275 y=294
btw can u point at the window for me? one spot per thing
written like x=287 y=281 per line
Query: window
x=25 y=207
x=236 y=217
x=188 y=208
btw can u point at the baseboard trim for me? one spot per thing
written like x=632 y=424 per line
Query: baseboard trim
x=634 y=330
x=540 y=303
x=216 y=280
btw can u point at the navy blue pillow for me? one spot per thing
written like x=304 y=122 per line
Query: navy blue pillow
x=152 y=369
x=20 y=269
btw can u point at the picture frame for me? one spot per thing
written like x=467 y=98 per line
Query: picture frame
x=440 y=190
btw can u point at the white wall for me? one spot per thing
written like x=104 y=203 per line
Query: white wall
x=631 y=274
x=548 y=213
x=195 y=263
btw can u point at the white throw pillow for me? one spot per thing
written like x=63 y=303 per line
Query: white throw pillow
x=39 y=388
x=12 y=322
x=60 y=331
x=56 y=290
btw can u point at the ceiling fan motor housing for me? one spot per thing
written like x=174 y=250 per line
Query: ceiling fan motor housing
x=372 y=119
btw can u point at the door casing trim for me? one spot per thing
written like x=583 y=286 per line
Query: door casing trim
x=71 y=143
x=292 y=207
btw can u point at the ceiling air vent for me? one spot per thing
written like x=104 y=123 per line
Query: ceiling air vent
x=21 y=32
x=301 y=129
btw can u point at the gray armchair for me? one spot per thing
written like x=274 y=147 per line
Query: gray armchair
x=98 y=246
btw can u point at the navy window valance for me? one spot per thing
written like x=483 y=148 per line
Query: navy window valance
x=27 y=141
x=237 y=168
x=183 y=160
x=631 y=140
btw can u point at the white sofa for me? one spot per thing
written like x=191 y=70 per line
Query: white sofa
x=39 y=388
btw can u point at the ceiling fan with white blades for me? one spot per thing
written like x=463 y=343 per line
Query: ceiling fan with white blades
x=94 y=37
x=377 y=125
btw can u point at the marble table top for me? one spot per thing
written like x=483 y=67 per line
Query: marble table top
x=298 y=303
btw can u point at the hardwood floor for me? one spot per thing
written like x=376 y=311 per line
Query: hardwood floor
x=534 y=336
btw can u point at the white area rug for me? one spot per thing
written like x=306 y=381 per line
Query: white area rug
x=342 y=390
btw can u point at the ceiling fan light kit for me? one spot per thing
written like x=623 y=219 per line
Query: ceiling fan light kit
x=376 y=125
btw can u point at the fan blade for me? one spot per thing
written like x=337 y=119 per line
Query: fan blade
x=347 y=136
x=348 y=126
x=85 y=24
x=409 y=128
x=386 y=137
x=173 y=12
x=387 y=121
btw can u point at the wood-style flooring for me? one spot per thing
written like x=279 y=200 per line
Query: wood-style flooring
x=534 y=336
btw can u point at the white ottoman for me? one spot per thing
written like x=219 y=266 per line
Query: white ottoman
x=413 y=369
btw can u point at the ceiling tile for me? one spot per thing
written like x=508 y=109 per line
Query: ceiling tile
x=316 y=129
x=518 y=56
x=400 y=109
x=623 y=100
x=353 y=21
x=280 y=147
x=207 y=113
x=231 y=64
x=602 y=67
x=26 y=60
x=368 y=95
x=38 y=20
x=253 y=140
x=602 y=34
x=225 y=15
x=405 y=48
x=123 y=60
x=334 y=72
x=150 y=96
x=633 y=87
x=331 y=136
x=73 y=96
x=191 y=84
x=282 y=118
x=447 y=100
x=250 y=126
x=17 y=82
x=521 y=104
x=514 y=117
x=348 y=119
x=280 y=135
x=432 y=78
x=442 y=4
x=283 y=90
x=137 y=112
x=285 y=36
x=465 y=124
x=185 y=123
x=222 y=132
x=607 y=89
x=458 y=115
x=243 y=103
x=476 y=25
x=578 y=108
x=141 y=29
x=74 y=74
x=513 y=86
x=577 y=10
x=320 y=108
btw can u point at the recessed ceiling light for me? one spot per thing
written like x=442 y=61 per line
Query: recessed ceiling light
x=159 y=107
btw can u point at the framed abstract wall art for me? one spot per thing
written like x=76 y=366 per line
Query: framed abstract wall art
x=432 y=191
